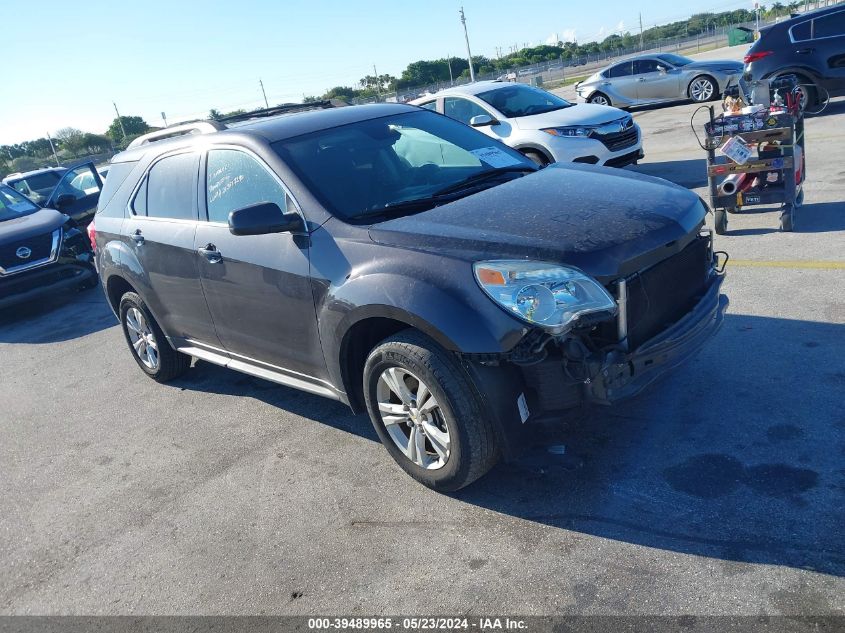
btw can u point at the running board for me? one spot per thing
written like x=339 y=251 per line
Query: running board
x=273 y=375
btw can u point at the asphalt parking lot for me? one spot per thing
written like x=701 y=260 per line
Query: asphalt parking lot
x=719 y=491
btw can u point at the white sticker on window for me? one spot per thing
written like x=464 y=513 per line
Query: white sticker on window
x=495 y=157
x=523 y=407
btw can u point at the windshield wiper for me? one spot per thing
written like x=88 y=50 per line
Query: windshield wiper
x=415 y=204
x=453 y=192
x=481 y=176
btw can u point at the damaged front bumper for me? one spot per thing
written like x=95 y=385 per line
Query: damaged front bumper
x=626 y=374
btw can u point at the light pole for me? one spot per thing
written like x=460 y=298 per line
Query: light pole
x=53 y=147
x=466 y=37
x=261 y=83
x=119 y=120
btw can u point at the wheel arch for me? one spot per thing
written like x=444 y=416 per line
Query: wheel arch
x=535 y=147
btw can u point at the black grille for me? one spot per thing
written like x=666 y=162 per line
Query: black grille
x=40 y=245
x=616 y=141
x=661 y=295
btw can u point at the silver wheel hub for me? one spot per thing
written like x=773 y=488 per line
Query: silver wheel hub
x=141 y=337
x=701 y=90
x=413 y=418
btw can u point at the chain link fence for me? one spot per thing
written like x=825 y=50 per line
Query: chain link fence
x=562 y=70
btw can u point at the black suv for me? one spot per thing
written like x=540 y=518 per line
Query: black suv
x=42 y=251
x=811 y=46
x=401 y=262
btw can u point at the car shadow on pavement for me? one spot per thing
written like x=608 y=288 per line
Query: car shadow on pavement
x=819 y=217
x=61 y=318
x=738 y=456
x=211 y=378
x=689 y=173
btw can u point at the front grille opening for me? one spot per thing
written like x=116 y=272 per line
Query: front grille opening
x=660 y=296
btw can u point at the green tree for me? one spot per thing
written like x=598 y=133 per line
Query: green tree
x=132 y=125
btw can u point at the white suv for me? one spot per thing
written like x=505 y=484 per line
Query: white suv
x=541 y=125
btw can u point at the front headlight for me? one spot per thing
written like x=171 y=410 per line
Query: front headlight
x=573 y=131
x=551 y=296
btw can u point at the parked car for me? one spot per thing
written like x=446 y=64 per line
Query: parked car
x=541 y=125
x=403 y=263
x=648 y=79
x=810 y=46
x=73 y=191
x=42 y=251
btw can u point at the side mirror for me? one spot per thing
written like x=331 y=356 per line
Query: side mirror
x=662 y=70
x=481 y=120
x=263 y=218
x=64 y=200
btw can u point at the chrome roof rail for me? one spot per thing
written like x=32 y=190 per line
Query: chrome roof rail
x=194 y=127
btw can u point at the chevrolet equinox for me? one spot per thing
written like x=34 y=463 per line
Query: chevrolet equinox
x=405 y=264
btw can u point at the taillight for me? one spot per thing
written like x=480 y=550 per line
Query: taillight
x=753 y=57
x=92 y=235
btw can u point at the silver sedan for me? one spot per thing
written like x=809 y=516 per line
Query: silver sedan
x=647 y=79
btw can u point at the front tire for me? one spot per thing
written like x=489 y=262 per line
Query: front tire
x=427 y=413
x=703 y=89
x=720 y=221
x=147 y=343
x=600 y=98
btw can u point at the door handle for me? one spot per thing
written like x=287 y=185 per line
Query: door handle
x=210 y=252
x=806 y=51
x=139 y=239
x=641 y=79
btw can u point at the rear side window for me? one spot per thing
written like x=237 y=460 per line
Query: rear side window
x=801 y=32
x=430 y=105
x=118 y=172
x=236 y=180
x=620 y=70
x=832 y=25
x=168 y=189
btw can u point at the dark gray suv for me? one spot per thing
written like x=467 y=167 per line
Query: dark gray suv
x=401 y=262
x=810 y=46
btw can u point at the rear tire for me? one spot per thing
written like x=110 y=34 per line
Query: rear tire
x=147 y=343
x=536 y=157
x=427 y=413
x=787 y=218
x=721 y=221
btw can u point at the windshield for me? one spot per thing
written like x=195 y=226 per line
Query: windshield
x=675 y=60
x=520 y=100
x=13 y=204
x=362 y=167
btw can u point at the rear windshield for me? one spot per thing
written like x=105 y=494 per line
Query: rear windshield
x=14 y=205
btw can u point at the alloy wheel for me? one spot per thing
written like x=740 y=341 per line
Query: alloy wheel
x=413 y=418
x=600 y=100
x=701 y=89
x=142 y=338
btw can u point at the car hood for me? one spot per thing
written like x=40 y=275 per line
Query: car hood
x=38 y=223
x=726 y=64
x=580 y=114
x=604 y=221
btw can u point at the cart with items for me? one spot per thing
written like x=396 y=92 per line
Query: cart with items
x=760 y=158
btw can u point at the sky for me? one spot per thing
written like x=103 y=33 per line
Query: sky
x=184 y=57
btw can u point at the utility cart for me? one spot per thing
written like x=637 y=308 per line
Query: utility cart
x=767 y=144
